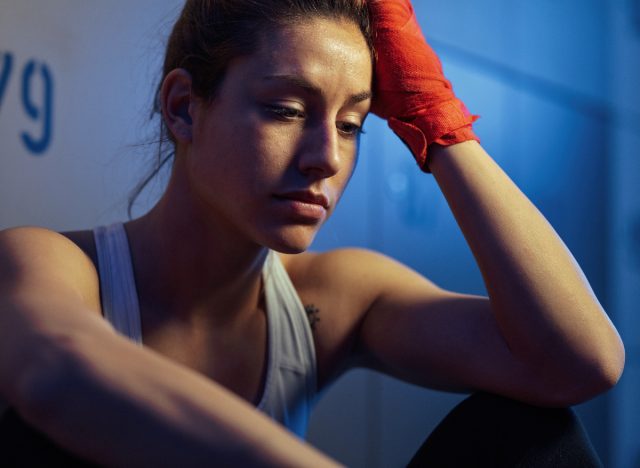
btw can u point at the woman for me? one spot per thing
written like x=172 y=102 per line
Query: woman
x=263 y=103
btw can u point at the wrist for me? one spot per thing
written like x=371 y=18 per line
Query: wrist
x=449 y=124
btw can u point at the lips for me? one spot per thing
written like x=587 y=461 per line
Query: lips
x=306 y=196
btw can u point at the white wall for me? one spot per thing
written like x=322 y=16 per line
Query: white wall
x=102 y=58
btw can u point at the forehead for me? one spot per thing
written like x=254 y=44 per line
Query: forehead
x=322 y=49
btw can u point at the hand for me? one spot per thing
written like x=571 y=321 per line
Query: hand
x=411 y=91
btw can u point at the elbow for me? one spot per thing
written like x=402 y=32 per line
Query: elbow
x=608 y=371
x=600 y=380
x=589 y=380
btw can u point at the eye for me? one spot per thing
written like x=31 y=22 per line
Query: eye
x=284 y=112
x=349 y=129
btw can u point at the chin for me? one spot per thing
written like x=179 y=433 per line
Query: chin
x=292 y=241
x=290 y=250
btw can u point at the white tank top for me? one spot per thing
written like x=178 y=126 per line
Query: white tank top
x=290 y=387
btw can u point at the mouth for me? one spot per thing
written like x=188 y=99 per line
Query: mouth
x=306 y=196
x=304 y=206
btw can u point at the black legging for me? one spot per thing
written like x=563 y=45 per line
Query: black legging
x=486 y=430
x=483 y=431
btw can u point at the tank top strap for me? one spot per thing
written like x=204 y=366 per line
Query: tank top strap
x=292 y=388
x=118 y=292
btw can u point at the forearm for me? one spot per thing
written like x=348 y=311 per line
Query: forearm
x=543 y=304
x=122 y=405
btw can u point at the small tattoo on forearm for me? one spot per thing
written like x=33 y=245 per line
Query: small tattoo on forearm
x=312 y=315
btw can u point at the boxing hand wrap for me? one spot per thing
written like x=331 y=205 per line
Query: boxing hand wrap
x=410 y=89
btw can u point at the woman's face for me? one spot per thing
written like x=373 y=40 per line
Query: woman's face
x=271 y=156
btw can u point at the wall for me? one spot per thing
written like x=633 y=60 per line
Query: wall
x=94 y=97
x=624 y=242
x=554 y=81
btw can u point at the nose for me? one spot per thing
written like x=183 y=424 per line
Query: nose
x=320 y=153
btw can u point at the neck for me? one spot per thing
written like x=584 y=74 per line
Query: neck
x=191 y=266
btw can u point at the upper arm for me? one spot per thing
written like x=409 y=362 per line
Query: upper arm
x=437 y=339
x=410 y=328
x=48 y=291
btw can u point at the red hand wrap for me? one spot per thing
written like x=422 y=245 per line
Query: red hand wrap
x=411 y=91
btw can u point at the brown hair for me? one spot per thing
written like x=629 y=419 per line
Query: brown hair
x=210 y=33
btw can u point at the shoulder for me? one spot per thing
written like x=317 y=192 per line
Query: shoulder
x=39 y=256
x=22 y=246
x=325 y=266
x=361 y=274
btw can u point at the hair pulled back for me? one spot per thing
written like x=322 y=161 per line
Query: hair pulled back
x=209 y=34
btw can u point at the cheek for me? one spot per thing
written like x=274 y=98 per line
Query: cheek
x=273 y=146
x=228 y=147
x=341 y=186
x=350 y=155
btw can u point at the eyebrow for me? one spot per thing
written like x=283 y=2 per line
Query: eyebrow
x=310 y=88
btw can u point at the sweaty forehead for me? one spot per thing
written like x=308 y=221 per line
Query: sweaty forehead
x=318 y=46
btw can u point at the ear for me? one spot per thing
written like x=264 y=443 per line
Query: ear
x=175 y=99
